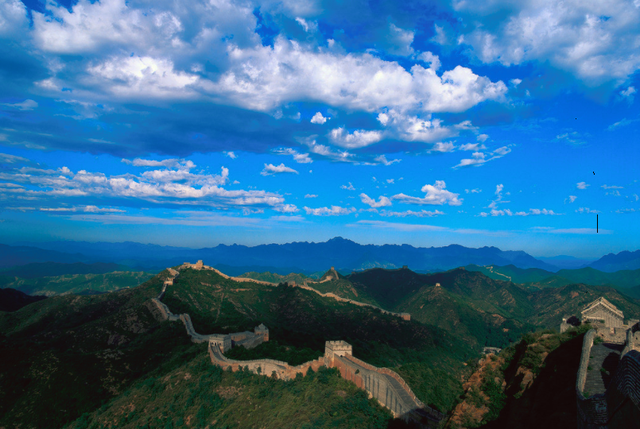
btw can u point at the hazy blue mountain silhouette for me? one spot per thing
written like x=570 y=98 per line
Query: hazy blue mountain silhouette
x=304 y=256
x=45 y=269
x=11 y=256
x=615 y=262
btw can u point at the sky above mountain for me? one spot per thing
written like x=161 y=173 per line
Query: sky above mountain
x=508 y=124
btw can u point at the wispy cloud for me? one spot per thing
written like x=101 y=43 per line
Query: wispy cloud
x=480 y=158
x=300 y=158
x=164 y=182
x=332 y=211
x=23 y=105
x=586 y=210
x=348 y=187
x=270 y=169
x=570 y=198
x=537 y=212
x=621 y=123
x=410 y=213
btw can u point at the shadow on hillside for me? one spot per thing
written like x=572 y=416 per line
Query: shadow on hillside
x=400 y=423
x=550 y=402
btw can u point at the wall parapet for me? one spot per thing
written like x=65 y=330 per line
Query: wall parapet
x=592 y=410
x=436 y=414
x=587 y=343
x=623 y=395
x=404 y=316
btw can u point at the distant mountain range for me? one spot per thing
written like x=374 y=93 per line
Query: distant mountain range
x=300 y=257
x=538 y=278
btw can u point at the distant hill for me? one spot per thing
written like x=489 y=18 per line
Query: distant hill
x=13 y=300
x=565 y=262
x=512 y=273
x=301 y=257
x=76 y=283
x=45 y=269
x=11 y=256
x=388 y=287
x=538 y=278
x=615 y=262
x=482 y=310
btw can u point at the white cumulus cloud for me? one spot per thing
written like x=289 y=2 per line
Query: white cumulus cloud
x=318 y=118
x=357 y=139
x=435 y=194
x=383 y=201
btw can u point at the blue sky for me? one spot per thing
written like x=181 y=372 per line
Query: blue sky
x=427 y=123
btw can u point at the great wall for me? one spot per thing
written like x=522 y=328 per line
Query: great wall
x=200 y=266
x=383 y=384
x=608 y=378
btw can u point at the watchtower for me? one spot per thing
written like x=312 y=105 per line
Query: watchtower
x=602 y=311
x=199 y=265
x=337 y=348
x=263 y=331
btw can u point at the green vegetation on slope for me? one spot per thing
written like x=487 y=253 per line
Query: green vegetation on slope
x=388 y=287
x=198 y=394
x=76 y=283
x=537 y=278
x=302 y=319
x=274 y=350
x=462 y=316
x=276 y=278
x=530 y=384
x=481 y=310
x=52 y=269
x=66 y=355
x=550 y=305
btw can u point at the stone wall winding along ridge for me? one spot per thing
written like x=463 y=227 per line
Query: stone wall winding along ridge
x=381 y=383
x=405 y=316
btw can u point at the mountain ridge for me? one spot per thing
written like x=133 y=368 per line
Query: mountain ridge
x=341 y=253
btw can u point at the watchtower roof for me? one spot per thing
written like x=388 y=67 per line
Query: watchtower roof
x=602 y=301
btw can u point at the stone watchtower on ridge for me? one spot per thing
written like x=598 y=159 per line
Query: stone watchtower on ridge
x=263 y=331
x=602 y=310
x=337 y=348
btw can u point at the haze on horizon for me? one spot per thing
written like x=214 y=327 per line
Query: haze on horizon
x=429 y=123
